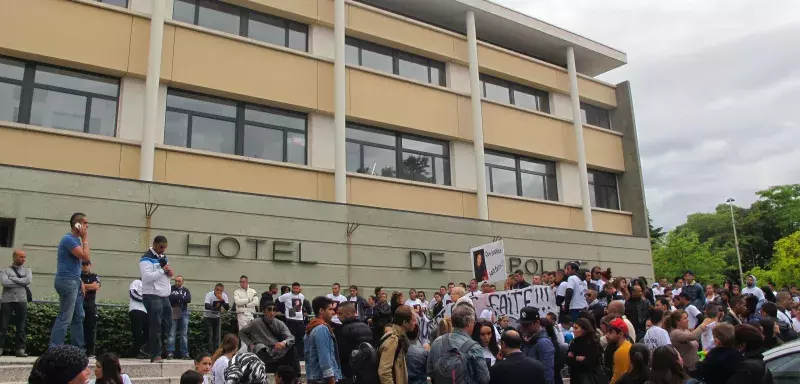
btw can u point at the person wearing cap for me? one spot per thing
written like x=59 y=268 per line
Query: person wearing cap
x=695 y=291
x=61 y=364
x=270 y=338
x=90 y=284
x=657 y=290
x=536 y=343
x=617 y=336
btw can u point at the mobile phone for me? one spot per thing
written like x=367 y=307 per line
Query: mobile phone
x=78 y=226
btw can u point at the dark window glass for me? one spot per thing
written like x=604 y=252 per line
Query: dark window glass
x=496 y=91
x=119 y=3
x=214 y=124
x=519 y=176
x=596 y=116
x=218 y=16
x=507 y=92
x=9 y=101
x=385 y=59
x=77 y=81
x=7 y=232
x=603 y=190
x=230 y=18
x=392 y=154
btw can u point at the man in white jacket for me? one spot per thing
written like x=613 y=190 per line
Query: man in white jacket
x=156 y=275
x=246 y=300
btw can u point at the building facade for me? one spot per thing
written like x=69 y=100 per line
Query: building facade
x=361 y=142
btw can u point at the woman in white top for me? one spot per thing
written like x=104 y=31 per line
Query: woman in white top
x=483 y=333
x=710 y=294
x=202 y=365
x=222 y=356
x=108 y=370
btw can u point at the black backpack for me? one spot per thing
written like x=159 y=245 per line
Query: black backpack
x=452 y=366
x=364 y=363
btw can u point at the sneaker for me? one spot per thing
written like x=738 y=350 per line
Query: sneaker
x=143 y=356
x=21 y=353
x=170 y=356
x=156 y=359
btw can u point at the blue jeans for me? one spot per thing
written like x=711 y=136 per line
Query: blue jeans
x=159 y=318
x=179 y=326
x=70 y=312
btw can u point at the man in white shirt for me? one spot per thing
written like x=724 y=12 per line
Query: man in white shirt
x=783 y=300
x=656 y=336
x=338 y=298
x=156 y=274
x=413 y=301
x=695 y=316
x=246 y=300
x=657 y=290
x=678 y=287
x=707 y=338
x=597 y=278
x=138 y=316
x=215 y=302
x=447 y=299
x=293 y=301
x=575 y=295
x=752 y=289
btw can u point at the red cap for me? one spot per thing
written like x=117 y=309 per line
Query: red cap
x=618 y=323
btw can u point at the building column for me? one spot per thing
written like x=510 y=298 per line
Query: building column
x=477 y=117
x=148 y=150
x=339 y=100
x=577 y=124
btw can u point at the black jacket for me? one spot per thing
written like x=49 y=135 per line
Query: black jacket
x=583 y=346
x=381 y=316
x=752 y=370
x=636 y=310
x=719 y=365
x=514 y=368
x=349 y=336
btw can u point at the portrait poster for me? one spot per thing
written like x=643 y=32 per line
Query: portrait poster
x=489 y=262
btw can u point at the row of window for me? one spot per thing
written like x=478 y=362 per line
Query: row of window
x=42 y=95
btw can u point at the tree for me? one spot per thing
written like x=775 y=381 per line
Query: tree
x=682 y=250
x=417 y=168
x=785 y=267
x=784 y=203
x=656 y=234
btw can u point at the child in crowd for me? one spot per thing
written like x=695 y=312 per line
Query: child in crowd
x=707 y=338
x=202 y=364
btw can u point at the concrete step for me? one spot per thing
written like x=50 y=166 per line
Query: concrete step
x=161 y=380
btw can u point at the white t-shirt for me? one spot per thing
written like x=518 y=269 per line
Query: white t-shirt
x=692 y=311
x=755 y=291
x=414 y=303
x=446 y=299
x=336 y=300
x=133 y=305
x=294 y=305
x=796 y=324
x=656 y=337
x=211 y=299
x=578 y=292
x=707 y=338
x=487 y=354
x=676 y=292
x=218 y=370
x=658 y=291
x=562 y=289
x=784 y=317
x=599 y=284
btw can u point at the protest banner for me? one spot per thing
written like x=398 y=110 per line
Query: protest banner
x=489 y=262
x=506 y=303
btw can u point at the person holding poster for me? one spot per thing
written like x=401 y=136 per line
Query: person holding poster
x=481 y=274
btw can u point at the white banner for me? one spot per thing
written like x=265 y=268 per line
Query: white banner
x=506 y=303
x=489 y=262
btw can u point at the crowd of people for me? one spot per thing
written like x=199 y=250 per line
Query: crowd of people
x=607 y=329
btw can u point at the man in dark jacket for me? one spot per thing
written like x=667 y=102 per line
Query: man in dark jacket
x=722 y=360
x=349 y=336
x=752 y=370
x=380 y=319
x=697 y=296
x=537 y=344
x=636 y=310
x=359 y=303
x=515 y=366
x=270 y=339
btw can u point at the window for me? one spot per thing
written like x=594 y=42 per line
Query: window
x=520 y=176
x=603 y=190
x=236 y=128
x=243 y=22
x=7 y=233
x=785 y=369
x=392 y=154
x=37 y=94
x=596 y=116
x=384 y=59
x=119 y=3
x=506 y=92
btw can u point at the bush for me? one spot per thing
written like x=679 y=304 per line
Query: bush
x=113 y=329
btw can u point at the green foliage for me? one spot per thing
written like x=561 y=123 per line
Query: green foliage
x=785 y=267
x=113 y=329
x=682 y=250
x=656 y=234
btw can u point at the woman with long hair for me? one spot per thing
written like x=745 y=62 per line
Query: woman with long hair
x=640 y=360
x=202 y=365
x=222 y=356
x=483 y=333
x=584 y=354
x=736 y=290
x=108 y=371
x=685 y=340
x=623 y=288
x=768 y=330
x=666 y=367
x=397 y=300
x=710 y=294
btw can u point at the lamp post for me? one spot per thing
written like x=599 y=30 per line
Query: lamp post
x=736 y=240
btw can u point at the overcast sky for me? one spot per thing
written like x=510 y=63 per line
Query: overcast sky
x=716 y=87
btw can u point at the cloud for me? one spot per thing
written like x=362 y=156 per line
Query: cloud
x=716 y=86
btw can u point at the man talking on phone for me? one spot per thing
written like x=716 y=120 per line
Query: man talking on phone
x=156 y=275
x=72 y=250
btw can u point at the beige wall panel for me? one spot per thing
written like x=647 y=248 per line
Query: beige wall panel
x=470 y=203
x=325 y=187
x=129 y=162
x=513 y=67
x=303 y=10
x=160 y=165
x=598 y=92
x=576 y=219
x=603 y=149
x=44 y=150
x=395 y=102
x=140 y=41
x=57 y=32
x=325 y=12
x=461 y=52
x=608 y=222
x=465 y=129
x=524 y=131
x=236 y=68
x=386 y=194
x=390 y=31
x=325 y=86
x=528 y=212
x=232 y=175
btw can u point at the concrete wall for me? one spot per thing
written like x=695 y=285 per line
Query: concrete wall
x=377 y=253
x=630 y=183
